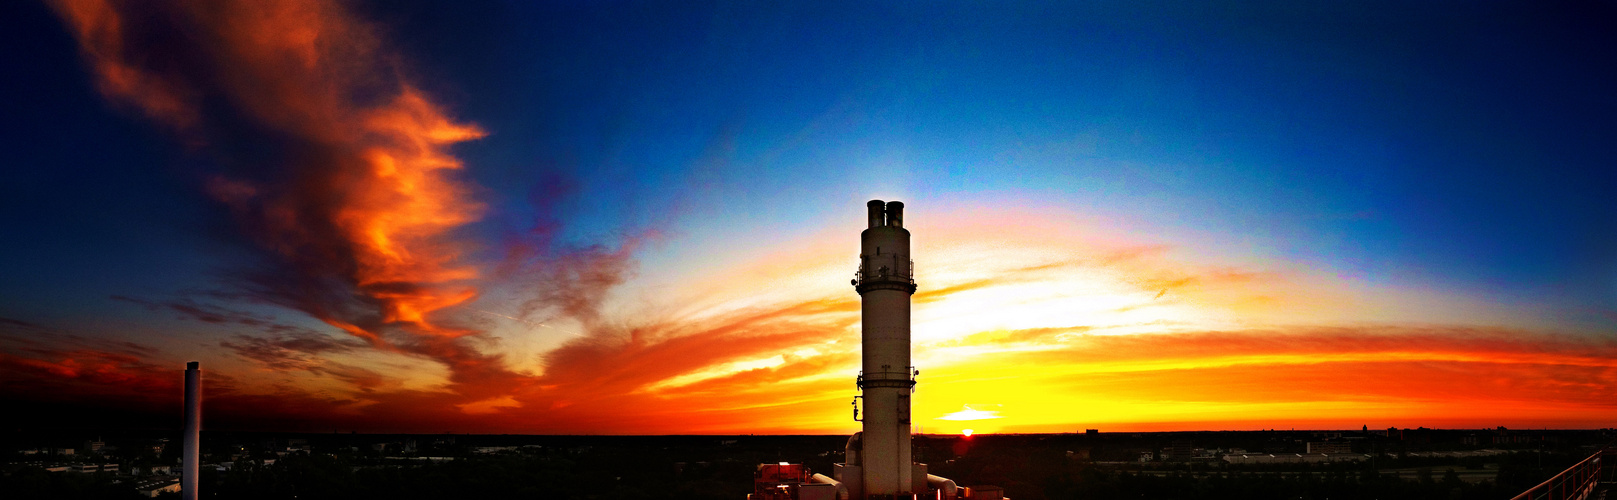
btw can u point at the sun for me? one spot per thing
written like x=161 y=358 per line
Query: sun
x=966 y=432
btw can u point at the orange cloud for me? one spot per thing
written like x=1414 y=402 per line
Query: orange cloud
x=370 y=198
x=337 y=164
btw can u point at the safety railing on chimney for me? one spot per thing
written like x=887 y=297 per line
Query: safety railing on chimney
x=885 y=267
x=1578 y=481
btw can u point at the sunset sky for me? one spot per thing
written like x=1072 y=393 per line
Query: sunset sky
x=641 y=218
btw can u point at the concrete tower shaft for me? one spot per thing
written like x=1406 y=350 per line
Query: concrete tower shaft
x=191 y=451
x=885 y=282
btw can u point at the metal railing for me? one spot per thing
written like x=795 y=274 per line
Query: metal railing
x=1575 y=483
x=900 y=269
x=888 y=378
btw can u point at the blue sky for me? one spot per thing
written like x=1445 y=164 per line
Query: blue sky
x=1446 y=144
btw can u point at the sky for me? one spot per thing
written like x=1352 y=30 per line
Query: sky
x=640 y=217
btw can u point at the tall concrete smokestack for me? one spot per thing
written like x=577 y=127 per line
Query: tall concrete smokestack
x=189 y=461
x=877 y=462
x=885 y=283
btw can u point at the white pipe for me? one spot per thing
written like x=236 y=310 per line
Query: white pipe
x=842 y=490
x=943 y=484
x=851 y=453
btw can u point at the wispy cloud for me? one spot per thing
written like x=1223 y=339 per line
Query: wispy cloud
x=288 y=351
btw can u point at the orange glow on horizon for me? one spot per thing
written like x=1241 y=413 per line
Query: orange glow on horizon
x=779 y=366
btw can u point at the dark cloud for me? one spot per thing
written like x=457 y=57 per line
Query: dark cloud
x=573 y=283
x=22 y=336
x=17 y=324
x=290 y=351
x=220 y=315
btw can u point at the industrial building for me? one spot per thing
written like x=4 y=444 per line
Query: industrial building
x=1269 y=458
x=877 y=463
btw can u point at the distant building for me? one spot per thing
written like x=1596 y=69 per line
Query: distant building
x=156 y=487
x=1419 y=435
x=1330 y=447
x=1091 y=432
x=1179 y=450
x=150 y=470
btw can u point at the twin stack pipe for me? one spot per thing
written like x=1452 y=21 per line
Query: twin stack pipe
x=886 y=214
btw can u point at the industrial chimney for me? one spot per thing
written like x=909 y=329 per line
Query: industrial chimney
x=193 y=431
x=885 y=282
x=877 y=461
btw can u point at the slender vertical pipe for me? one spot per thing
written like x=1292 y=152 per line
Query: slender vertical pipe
x=189 y=461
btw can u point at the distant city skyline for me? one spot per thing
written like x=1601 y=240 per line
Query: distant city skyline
x=641 y=218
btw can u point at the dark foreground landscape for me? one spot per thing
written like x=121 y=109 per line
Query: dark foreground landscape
x=1383 y=464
